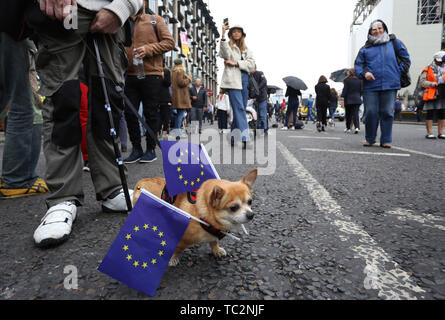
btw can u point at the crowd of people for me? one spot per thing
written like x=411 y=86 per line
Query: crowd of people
x=58 y=96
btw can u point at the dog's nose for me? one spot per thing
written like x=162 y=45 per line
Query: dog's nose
x=250 y=215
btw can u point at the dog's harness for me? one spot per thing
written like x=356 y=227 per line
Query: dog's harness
x=212 y=230
x=192 y=197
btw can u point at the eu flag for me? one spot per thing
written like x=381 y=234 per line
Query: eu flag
x=186 y=166
x=141 y=252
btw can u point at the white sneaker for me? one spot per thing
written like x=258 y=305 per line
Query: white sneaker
x=293 y=128
x=347 y=130
x=116 y=202
x=55 y=226
x=357 y=130
x=284 y=129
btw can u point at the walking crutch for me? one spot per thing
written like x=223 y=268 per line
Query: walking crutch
x=113 y=131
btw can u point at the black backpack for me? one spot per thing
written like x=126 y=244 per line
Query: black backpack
x=254 y=91
x=405 y=78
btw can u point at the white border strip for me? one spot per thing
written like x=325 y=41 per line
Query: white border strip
x=384 y=274
x=434 y=156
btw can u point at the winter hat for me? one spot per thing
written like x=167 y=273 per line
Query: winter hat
x=385 y=27
x=178 y=61
x=439 y=56
x=237 y=26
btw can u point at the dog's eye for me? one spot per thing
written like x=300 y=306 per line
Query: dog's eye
x=249 y=202
x=234 y=208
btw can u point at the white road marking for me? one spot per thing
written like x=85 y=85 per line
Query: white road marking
x=358 y=152
x=319 y=138
x=427 y=220
x=434 y=156
x=390 y=280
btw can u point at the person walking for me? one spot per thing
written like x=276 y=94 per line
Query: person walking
x=22 y=146
x=333 y=104
x=223 y=106
x=165 y=100
x=309 y=105
x=352 y=94
x=261 y=100
x=198 y=95
x=397 y=109
x=180 y=95
x=433 y=80
x=292 y=107
x=149 y=44
x=323 y=92
x=62 y=132
x=380 y=63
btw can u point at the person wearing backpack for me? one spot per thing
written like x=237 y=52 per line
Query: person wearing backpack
x=383 y=63
x=261 y=99
x=433 y=80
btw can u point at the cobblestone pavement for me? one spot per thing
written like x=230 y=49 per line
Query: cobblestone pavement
x=334 y=221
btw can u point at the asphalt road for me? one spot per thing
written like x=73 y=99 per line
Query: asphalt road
x=334 y=221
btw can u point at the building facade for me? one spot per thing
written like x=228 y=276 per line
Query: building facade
x=418 y=23
x=195 y=34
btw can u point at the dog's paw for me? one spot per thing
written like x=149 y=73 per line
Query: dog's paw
x=219 y=252
x=173 y=262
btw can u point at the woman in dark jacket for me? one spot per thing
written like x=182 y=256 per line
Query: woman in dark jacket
x=352 y=93
x=333 y=104
x=380 y=64
x=323 y=92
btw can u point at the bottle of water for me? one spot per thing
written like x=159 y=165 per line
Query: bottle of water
x=139 y=66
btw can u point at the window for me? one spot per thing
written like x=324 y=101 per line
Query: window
x=429 y=11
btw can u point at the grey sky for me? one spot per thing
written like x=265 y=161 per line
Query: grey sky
x=303 y=38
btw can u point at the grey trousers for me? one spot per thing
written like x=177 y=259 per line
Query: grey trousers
x=197 y=115
x=58 y=63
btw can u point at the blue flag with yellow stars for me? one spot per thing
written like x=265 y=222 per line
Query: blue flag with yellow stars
x=186 y=166
x=141 y=252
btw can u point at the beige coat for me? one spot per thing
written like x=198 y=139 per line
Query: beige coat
x=180 y=90
x=232 y=75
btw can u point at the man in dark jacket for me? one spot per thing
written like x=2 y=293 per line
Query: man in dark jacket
x=261 y=100
x=198 y=95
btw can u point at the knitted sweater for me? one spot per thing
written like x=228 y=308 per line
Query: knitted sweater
x=122 y=8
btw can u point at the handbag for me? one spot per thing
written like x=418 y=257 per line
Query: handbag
x=405 y=77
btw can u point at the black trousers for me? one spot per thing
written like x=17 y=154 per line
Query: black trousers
x=352 y=115
x=222 y=119
x=321 y=114
x=165 y=117
x=145 y=91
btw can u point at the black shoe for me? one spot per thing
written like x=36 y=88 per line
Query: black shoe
x=322 y=129
x=148 y=157
x=135 y=156
x=318 y=127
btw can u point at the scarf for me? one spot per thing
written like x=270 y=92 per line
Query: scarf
x=384 y=38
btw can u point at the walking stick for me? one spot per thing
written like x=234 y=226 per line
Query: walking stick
x=113 y=131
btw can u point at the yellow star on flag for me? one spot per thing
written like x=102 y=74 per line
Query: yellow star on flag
x=179 y=169
x=161 y=234
x=155 y=228
x=179 y=160
x=186 y=182
x=198 y=180
x=136 y=229
x=202 y=173
x=163 y=243
x=129 y=257
x=128 y=236
x=161 y=253
x=125 y=248
x=153 y=262
x=192 y=184
x=181 y=177
x=146 y=226
x=136 y=264
x=145 y=265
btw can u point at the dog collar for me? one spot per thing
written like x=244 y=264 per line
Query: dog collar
x=212 y=230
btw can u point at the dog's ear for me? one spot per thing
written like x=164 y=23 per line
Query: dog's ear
x=250 y=178
x=217 y=195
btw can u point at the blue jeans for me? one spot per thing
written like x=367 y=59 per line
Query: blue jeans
x=379 y=109
x=262 y=122
x=332 y=112
x=178 y=121
x=238 y=100
x=310 y=115
x=292 y=107
x=22 y=140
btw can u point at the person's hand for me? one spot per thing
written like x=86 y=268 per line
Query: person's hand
x=140 y=52
x=105 y=22
x=231 y=63
x=57 y=9
x=225 y=27
x=369 y=76
x=195 y=98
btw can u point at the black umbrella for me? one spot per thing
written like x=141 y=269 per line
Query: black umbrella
x=339 y=75
x=295 y=83
x=272 y=89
